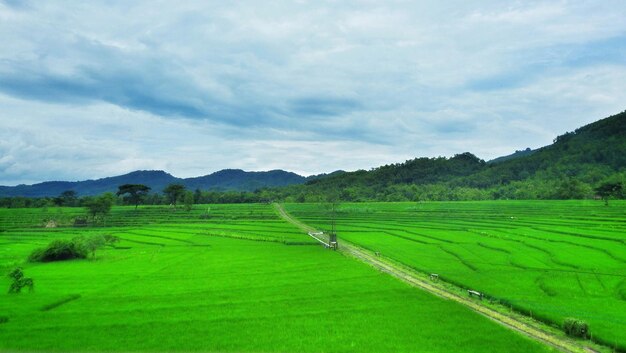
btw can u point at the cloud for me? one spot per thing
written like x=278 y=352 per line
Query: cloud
x=322 y=106
x=136 y=81
x=102 y=88
x=16 y=4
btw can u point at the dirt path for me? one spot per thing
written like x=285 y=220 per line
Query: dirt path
x=415 y=279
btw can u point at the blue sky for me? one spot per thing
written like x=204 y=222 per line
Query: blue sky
x=101 y=88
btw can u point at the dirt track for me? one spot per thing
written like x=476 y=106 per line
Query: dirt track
x=533 y=331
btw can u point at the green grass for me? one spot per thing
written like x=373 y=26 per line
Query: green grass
x=550 y=259
x=191 y=285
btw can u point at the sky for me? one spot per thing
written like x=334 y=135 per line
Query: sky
x=91 y=89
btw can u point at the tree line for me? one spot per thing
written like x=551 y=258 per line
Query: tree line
x=139 y=194
x=177 y=195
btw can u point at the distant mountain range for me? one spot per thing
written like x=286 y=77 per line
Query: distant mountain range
x=571 y=167
x=223 y=180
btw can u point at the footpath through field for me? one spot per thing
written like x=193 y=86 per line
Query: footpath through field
x=413 y=278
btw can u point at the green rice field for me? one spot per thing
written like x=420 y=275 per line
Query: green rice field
x=548 y=259
x=238 y=280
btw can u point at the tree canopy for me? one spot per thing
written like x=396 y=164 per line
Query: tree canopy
x=100 y=206
x=608 y=190
x=133 y=193
x=174 y=192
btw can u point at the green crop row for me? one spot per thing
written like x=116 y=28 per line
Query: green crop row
x=185 y=285
x=551 y=259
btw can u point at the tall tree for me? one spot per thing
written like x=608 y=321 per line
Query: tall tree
x=100 y=205
x=174 y=192
x=134 y=193
x=608 y=190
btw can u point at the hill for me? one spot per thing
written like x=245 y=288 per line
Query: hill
x=517 y=154
x=239 y=180
x=570 y=167
x=224 y=180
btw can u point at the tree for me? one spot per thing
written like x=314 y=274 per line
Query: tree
x=197 y=196
x=93 y=243
x=188 y=200
x=66 y=198
x=135 y=193
x=174 y=192
x=608 y=190
x=571 y=188
x=100 y=205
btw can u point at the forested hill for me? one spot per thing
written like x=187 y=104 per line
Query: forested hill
x=224 y=180
x=517 y=154
x=571 y=167
x=589 y=154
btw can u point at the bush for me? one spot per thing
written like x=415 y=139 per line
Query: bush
x=59 y=250
x=19 y=281
x=77 y=248
x=575 y=328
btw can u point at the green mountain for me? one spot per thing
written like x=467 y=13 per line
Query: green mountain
x=571 y=167
x=589 y=154
x=517 y=154
x=224 y=180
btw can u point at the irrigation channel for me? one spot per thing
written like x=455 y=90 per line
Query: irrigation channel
x=515 y=321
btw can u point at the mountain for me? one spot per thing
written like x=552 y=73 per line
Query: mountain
x=571 y=167
x=517 y=154
x=237 y=179
x=418 y=170
x=325 y=175
x=223 y=180
x=588 y=154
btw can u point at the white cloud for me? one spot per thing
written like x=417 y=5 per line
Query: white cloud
x=100 y=88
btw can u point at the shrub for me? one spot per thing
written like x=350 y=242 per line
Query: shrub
x=59 y=250
x=77 y=248
x=19 y=281
x=575 y=328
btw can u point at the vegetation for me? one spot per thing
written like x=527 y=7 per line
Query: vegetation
x=576 y=328
x=174 y=192
x=251 y=283
x=552 y=260
x=223 y=180
x=99 y=207
x=79 y=247
x=608 y=190
x=575 y=166
x=571 y=168
x=18 y=281
x=133 y=193
x=67 y=198
x=548 y=259
x=59 y=250
x=188 y=200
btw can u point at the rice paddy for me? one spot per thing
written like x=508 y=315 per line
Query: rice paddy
x=221 y=278
x=548 y=259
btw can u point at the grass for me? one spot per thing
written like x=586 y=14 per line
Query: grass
x=229 y=283
x=550 y=259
